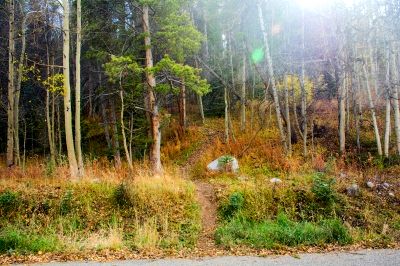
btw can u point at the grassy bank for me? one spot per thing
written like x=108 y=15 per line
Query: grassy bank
x=52 y=215
x=313 y=212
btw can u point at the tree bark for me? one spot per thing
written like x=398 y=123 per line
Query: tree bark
x=78 y=138
x=395 y=95
x=67 y=94
x=115 y=140
x=303 y=89
x=272 y=77
x=182 y=106
x=373 y=113
x=127 y=153
x=155 y=152
x=243 y=97
x=342 y=116
x=287 y=114
x=11 y=86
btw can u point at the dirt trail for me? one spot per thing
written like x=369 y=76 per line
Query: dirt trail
x=205 y=194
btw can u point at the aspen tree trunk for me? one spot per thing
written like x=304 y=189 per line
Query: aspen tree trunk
x=243 y=96
x=303 y=89
x=395 y=93
x=60 y=147
x=287 y=114
x=295 y=116
x=115 y=140
x=127 y=153
x=50 y=133
x=182 y=106
x=78 y=138
x=272 y=77
x=226 y=115
x=200 y=101
x=358 y=111
x=388 y=109
x=18 y=89
x=11 y=85
x=155 y=150
x=373 y=114
x=69 y=138
x=342 y=116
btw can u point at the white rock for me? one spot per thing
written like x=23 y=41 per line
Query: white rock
x=275 y=180
x=353 y=190
x=217 y=166
x=370 y=184
x=391 y=194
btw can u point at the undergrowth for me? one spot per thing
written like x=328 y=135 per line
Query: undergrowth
x=60 y=216
x=281 y=232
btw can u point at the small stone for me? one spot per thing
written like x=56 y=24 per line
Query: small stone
x=370 y=184
x=275 y=180
x=391 y=194
x=385 y=185
x=353 y=190
x=343 y=175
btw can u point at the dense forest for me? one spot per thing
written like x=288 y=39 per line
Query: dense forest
x=304 y=92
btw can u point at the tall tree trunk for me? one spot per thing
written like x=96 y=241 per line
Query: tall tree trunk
x=342 y=116
x=69 y=137
x=287 y=114
x=200 y=97
x=50 y=131
x=78 y=138
x=11 y=86
x=395 y=95
x=127 y=152
x=226 y=115
x=115 y=140
x=303 y=89
x=182 y=106
x=18 y=87
x=155 y=152
x=272 y=77
x=373 y=113
x=243 y=96
x=358 y=111
x=388 y=109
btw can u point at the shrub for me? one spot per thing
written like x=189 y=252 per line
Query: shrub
x=235 y=204
x=323 y=189
x=66 y=203
x=8 y=202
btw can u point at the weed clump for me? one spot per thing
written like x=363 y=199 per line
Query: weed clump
x=8 y=202
x=281 y=231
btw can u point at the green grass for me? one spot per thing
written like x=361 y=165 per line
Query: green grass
x=281 y=232
x=144 y=214
x=14 y=239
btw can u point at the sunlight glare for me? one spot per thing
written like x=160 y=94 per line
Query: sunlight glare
x=318 y=4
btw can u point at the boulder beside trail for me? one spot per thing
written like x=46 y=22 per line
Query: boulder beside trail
x=224 y=164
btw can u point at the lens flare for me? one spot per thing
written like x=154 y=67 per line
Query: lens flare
x=257 y=55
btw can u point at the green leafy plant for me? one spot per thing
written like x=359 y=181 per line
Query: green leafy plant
x=234 y=205
x=8 y=201
x=323 y=189
x=66 y=203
